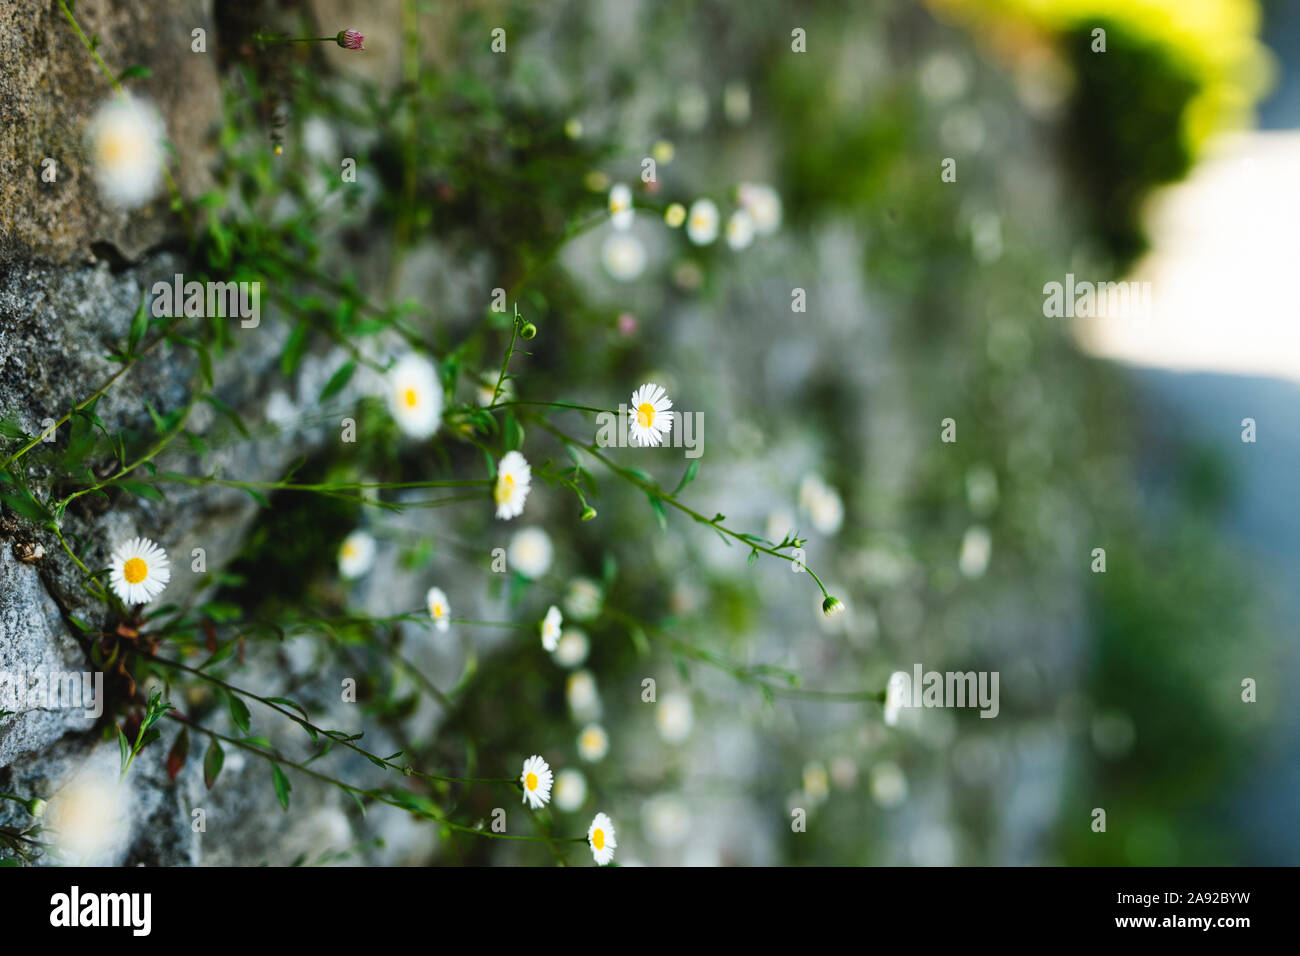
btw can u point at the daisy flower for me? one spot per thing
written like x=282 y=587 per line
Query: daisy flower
x=415 y=395
x=623 y=257
x=126 y=145
x=570 y=789
x=740 y=230
x=356 y=554
x=593 y=743
x=536 y=779
x=675 y=215
x=530 y=552
x=140 y=571
x=620 y=206
x=702 y=223
x=650 y=422
x=439 y=610
x=601 y=837
x=551 y=628
x=513 y=479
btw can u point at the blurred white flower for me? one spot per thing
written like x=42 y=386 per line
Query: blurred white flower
x=674 y=716
x=888 y=785
x=356 y=555
x=675 y=215
x=583 y=698
x=816 y=783
x=593 y=743
x=583 y=599
x=415 y=395
x=570 y=789
x=702 y=223
x=572 y=649
x=735 y=101
x=621 y=213
x=530 y=552
x=763 y=203
x=88 y=817
x=514 y=478
x=126 y=145
x=740 y=230
x=551 y=628
x=573 y=128
x=844 y=772
x=976 y=547
x=623 y=256
x=896 y=696
x=822 y=503
x=438 y=608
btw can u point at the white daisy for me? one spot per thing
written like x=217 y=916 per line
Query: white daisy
x=439 y=610
x=650 y=423
x=551 y=628
x=702 y=223
x=674 y=717
x=620 y=206
x=356 y=554
x=623 y=256
x=593 y=743
x=570 y=789
x=536 y=779
x=126 y=145
x=740 y=230
x=976 y=546
x=530 y=552
x=763 y=204
x=601 y=837
x=415 y=395
x=572 y=649
x=513 y=479
x=140 y=571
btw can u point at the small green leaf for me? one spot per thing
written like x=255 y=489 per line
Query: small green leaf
x=239 y=713
x=212 y=761
x=281 y=782
x=337 y=381
x=692 y=470
x=135 y=72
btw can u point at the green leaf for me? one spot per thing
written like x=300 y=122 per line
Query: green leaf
x=281 y=782
x=139 y=324
x=513 y=432
x=239 y=713
x=123 y=746
x=337 y=381
x=134 y=72
x=658 y=507
x=692 y=470
x=212 y=761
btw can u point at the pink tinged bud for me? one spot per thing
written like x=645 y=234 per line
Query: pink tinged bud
x=627 y=323
x=350 y=40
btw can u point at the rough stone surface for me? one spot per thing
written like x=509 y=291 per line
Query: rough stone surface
x=50 y=86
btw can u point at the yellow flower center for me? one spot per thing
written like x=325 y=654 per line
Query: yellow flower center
x=598 y=839
x=645 y=415
x=505 y=488
x=410 y=398
x=530 y=781
x=135 y=571
x=437 y=610
x=349 y=549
